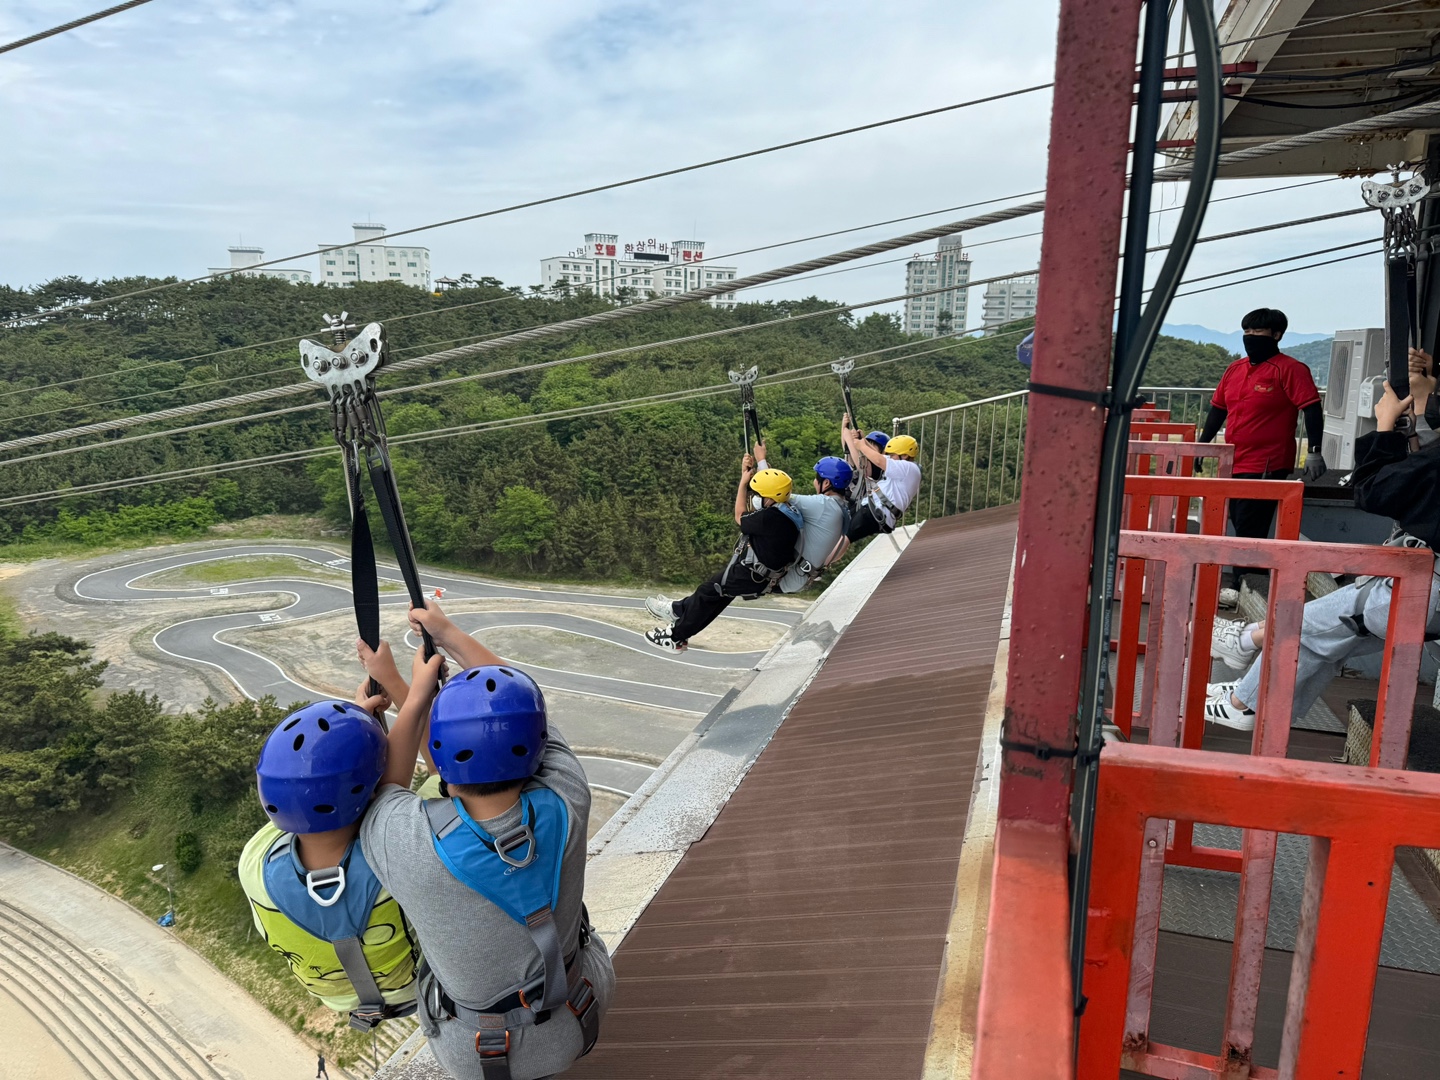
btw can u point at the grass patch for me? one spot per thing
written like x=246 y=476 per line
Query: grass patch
x=115 y=850
x=250 y=568
x=10 y=624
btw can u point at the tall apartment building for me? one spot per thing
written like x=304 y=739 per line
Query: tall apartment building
x=942 y=312
x=644 y=267
x=1010 y=301
x=371 y=259
x=243 y=259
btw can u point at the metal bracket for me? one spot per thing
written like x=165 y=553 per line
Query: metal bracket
x=349 y=367
x=746 y=378
x=1400 y=193
x=843 y=367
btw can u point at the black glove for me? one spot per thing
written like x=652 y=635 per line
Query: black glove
x=1314 y=467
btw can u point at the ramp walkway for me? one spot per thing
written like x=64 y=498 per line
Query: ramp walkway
x=804 y=933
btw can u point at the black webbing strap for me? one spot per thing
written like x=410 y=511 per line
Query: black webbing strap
x=388 y=496
x=364 y=582
x=1104 y=398
x=1400 y=320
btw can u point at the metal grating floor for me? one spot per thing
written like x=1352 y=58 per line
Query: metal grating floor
x=804 y=934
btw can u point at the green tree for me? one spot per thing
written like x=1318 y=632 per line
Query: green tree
x=213 y=752
x=523 y=521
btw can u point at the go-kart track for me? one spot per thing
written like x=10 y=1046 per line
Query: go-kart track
x=666 y=682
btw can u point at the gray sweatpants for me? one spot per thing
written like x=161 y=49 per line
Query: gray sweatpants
x=1326 y=642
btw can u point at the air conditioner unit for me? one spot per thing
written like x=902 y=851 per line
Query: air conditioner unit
x=1357 y=376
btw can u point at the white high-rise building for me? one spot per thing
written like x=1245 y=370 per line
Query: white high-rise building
x=938 y=312
x=242 y=264
x=371 y=259
x=1010 y=301
x=645 y=268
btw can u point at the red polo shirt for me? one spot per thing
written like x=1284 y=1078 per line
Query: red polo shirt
x=1262 y=403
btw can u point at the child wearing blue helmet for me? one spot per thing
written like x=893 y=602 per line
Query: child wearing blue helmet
x=313 y=896
x=491 y=875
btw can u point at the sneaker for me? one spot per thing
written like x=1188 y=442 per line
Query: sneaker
x=661 y=638
x=1231 y=644
x=1215 y=689
x=1230 y=598
x=662 y=607
x=1220 y=710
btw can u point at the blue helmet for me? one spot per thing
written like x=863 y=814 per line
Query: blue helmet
x=319 y=767
x=836 y=470
x=487 y=726
x=879 y=438
x=1025 y=351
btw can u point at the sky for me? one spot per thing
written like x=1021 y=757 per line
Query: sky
x=150 y=141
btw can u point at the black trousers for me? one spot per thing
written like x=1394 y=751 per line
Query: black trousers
x=705 y=604
x=864 y=522
x=1253 y=518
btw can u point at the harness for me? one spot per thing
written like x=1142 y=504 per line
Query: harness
x=1366 y=585
x=744 y=556
x=347 y=372
x=341 y=918
x=519 y=872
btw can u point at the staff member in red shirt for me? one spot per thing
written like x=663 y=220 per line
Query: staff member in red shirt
x=1258 y=401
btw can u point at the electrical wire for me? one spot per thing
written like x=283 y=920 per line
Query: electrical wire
x=549 y=199
x=73 y=24
x=1278 y=273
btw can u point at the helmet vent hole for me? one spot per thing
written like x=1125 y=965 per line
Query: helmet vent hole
x=271 y=808
x=436 y=744
x=299 y=740
x=324 y=724
x=291 y=724
x=470 y=675
x=464 y=755
x=357 y=789
x=490 y=685
x=519 y=751
x=507 y=672
x=324 y=808
x=337 y=706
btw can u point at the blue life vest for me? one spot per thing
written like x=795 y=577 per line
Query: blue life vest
x=518 y=871
x=331 y=904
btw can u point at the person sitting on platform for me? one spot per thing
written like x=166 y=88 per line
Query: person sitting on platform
x=1392 y=482
x=769 y=537
x=881 y=509
x=492 y=875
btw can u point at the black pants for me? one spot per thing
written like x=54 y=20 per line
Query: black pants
x=1253 y=518
x=705 y=604
x=865 y=522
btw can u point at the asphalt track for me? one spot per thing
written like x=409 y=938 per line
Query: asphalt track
x=201 y=640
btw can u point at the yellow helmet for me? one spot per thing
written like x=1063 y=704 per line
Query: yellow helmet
x=772 y=484
x=902 y=446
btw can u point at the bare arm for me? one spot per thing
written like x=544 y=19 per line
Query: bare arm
x=380 y=665
x=409 y=730
x=465 y=649
x=742 y=493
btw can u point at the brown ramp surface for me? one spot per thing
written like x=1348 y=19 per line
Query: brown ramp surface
x=803 y=935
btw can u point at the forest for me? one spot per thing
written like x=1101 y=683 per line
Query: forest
x=642 y=493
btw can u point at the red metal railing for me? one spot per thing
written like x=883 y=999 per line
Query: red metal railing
x=1162 y=504
x=1175 y=564
x=1356 y=819
x=1177 y=458
x=1149 y=416
x=1163 y=430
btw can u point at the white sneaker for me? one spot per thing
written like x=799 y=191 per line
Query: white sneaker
x=1230 y=598
x=1216 y=688
x=661 y=638
x=1229 y=642
x=1220 y=710
x=662 y=607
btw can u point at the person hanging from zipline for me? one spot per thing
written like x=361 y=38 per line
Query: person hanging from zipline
x=881 y=509
x=864 y=473
x=313 y=896
x=769 y=534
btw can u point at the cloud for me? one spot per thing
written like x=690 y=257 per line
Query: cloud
x=150 y=141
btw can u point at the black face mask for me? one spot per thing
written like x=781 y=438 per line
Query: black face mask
x=1260 y=348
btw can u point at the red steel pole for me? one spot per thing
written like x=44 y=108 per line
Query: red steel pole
x=1085 y=188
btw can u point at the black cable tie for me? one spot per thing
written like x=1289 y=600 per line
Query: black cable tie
x=1040 y=750
x=1104 y=398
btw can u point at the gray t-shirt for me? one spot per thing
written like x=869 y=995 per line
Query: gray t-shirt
x=477 y=952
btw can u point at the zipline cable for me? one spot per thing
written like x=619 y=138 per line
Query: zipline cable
x=549 y=199
x=73 y=24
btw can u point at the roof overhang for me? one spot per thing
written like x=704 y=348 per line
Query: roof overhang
x=1319 y=63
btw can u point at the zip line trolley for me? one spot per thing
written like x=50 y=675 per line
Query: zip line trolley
x=746 y=382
